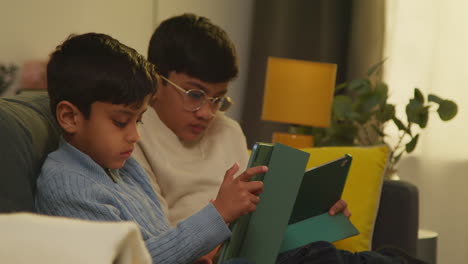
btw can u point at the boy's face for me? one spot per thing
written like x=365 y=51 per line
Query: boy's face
x=109 y=135
x=188 y=125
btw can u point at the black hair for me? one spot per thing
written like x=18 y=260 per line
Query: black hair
x=96 y=67
x=193 y=45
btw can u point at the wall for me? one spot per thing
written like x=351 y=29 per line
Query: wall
x=32 y=29
x=233 y=16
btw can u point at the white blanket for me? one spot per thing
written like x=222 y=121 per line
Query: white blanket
x=32 y=238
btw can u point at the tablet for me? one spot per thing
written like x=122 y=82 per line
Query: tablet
x=321 y=188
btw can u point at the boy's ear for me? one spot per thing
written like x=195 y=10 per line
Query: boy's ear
x=156 y=95
x=68 y=116
x=153 y=99
x=158 y=88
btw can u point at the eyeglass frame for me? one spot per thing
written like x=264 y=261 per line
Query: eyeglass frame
x=206 y=99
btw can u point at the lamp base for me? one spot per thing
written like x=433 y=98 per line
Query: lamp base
x=293 y=140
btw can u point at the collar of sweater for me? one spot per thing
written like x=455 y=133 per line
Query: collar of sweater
x=77 y=160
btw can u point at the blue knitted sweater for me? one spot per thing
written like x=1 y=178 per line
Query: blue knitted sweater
x=71 y=184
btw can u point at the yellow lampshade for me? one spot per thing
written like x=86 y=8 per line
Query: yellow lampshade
x=299 y=92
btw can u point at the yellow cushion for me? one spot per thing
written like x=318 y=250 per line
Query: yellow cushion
x=362 y=189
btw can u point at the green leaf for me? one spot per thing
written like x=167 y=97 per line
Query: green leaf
x=424 y=117
x=382 y=88
x=375 y=67
x=363 y=117
x=360 y=86
x=412 y=144
x=353 y=116
x=417 y=113
x=434 y=98
x=399 y=124
x=341 y=86
x=339 y=134
x=386 y=113
x=447 y=110
x=418 y=96
x=342 y=105
x=369 y=102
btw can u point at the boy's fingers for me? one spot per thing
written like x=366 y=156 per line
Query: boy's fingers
x=255 y=199
x=255 y=187
x=249 y=173
x=339 y=206
x=347 y=213
x=231 y=172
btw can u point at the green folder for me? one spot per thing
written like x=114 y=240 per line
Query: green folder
x=321 y=187
x=282 y=222
x=258 y=236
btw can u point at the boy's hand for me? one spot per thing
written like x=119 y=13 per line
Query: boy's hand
x=239 y=196
x=208 y=258
x=204 y=260
x=340 y=206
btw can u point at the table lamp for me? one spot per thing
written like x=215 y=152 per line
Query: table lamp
x=298 y=92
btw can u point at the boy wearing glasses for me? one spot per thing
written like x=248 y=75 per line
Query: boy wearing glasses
x=187 y=142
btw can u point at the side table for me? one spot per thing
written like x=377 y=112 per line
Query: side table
x=426 y=248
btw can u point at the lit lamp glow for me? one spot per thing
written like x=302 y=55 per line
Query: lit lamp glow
x=298 y=92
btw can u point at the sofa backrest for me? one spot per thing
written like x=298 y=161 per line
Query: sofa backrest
x=28 y=132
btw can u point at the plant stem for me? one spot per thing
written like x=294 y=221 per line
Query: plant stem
x=398 y=146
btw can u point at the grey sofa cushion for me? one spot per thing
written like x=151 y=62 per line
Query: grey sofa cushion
x=398 y=217
x=28 y=132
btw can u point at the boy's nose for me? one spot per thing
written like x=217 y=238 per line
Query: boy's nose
x=133 y=135
x=206 y=111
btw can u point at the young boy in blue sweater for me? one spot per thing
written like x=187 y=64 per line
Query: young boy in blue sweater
x=99 y=90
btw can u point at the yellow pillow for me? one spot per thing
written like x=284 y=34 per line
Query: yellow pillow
x=362 y=189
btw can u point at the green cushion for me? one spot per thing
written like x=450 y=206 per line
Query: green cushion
x=28 y=132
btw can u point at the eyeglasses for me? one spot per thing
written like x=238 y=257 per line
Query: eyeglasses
x=194 y=99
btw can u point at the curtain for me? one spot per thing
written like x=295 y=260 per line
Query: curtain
x=426 y=43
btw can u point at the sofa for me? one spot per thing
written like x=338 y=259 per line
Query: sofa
x=28 y=133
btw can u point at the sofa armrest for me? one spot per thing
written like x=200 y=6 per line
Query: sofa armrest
x=34 y=238
x=28 y=132
x=398 y=217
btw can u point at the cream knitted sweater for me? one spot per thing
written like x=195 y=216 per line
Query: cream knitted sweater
x=187 y=176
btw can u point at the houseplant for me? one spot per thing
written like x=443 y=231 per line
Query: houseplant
x=7 y=76
x=361 y=112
